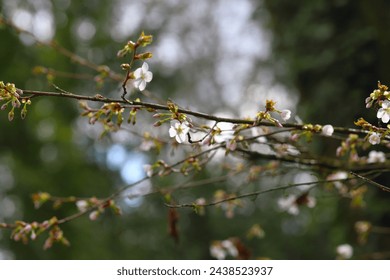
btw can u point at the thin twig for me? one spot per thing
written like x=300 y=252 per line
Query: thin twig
x=382 y=187
x=72 y=56
x=257 y=193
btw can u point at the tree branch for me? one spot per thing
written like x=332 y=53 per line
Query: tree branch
x=257 y=193
x=100 y=98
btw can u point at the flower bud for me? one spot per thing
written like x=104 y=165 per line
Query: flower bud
x=130 y=45
x=125 y=66
x=122 y=52
x=145 y=55
x=23 y=113
x=33 y=235
x=327 y=130
x=270 y=105
x=145 y=40
x=15 y=103
x=94 y=215
x=82 y=205
x=157 y=123
x=19 y=91
x=11 y=115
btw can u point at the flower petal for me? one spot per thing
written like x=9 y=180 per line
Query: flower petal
x=386 y=104
x=172 y=132
x=380 y=113
x=179 y=139
x=137 y=83
x=148 y=76
x=138 y=73
x=145 y=67
x=285 y=114
x=142 y=85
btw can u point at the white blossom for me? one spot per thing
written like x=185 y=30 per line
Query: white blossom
x=344 y=251
x=376 y=156
x=222 y=249
x=339 y=175
x=148 y=170
x=289 y=204
x=230 y=248
x=327 y=130
x=374 y=138
x=179 y=131
x=216 y=251
x=200 y=201
x=82 y=205
x=142 y=76
x=384 y=112
x=147 y=145
x=285 y=114
x=94 y=215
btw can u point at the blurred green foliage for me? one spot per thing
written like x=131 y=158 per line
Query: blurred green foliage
x=334 y=52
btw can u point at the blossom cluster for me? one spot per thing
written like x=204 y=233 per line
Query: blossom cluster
x=24 y=231
x=141 y=76
x=379 y=99
x=12 y=95
x=223 y=249
x=291 y=204
x=96 y=207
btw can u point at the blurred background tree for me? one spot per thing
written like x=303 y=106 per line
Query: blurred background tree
x=225 y=57
x=333 y=52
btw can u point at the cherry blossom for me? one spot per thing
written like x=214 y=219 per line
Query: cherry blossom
x=222 y=249
x=230 y=248
x=327 y=130
x=374 y=138
x=216 y=251
x=344 y=251
x=291 y=203
x=179 y=131
x=148 y=170
x=94 y=215
x=376 y=156
x=285 y=114
x=82 y=205
x=384 y=112
x=339 y=175
x=142 y=76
